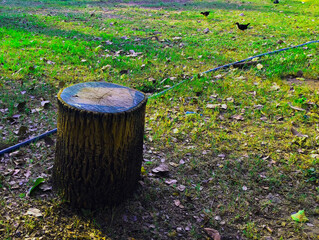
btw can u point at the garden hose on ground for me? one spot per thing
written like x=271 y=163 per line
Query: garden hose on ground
x=17 y=146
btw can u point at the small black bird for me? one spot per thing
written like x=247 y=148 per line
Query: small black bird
x=276 y=2
x=205 y=13
x=242 y=27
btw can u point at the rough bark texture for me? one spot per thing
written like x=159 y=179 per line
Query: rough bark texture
x=98 y=155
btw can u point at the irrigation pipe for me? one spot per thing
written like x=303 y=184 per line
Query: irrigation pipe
x=17 y=146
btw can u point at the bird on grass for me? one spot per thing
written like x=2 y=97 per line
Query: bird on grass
x=205 y=13
x=242 y=27
x=276 y=2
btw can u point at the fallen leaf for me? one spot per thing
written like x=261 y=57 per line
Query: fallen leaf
x=299 y=216
x=45 y=104
x=108 y=42
x=181 y=188
x=211 y=106
x=181 y=162
x=36 y=183
x=269 y=229
x=258 y=106
x=296 y=108
x=45 y=187
x=170 y=181
x=310 y=103
x=34 y=212
x=259 y=66
x=298 y=134
x=177 y=202
x=275 y=87
x=173 y=164
x=106 y=67
x=17 y=153
x=224 y=106
x=241 y=78
x=143 y=171
x=214 y=234
x=238 y=117
x=161 y=169
x=99 y=48
x=219 y=76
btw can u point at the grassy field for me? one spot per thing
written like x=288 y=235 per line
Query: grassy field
x=241 y=143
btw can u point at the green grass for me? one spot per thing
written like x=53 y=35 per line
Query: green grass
x=227 y=136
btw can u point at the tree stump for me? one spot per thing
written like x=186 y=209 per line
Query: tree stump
x=99 y=149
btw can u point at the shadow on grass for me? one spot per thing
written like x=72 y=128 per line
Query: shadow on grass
x=31 y=24
x=150 y=214
x=136 y=217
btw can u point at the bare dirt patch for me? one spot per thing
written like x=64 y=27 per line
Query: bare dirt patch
x=313 y=84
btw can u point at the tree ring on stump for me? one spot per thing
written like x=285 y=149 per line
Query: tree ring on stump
x=99 y=147
x=101 y=97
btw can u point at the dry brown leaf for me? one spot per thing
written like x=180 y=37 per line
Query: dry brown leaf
x=34 y=212
x=170 y=181
x=214 y=234
x=181 y=188
x=212 y=105
x=224 y=106
x=173 y=164
x=296 y=108
x=45 y=104
x=162 y=168
x=298 y=134
x=238 y=117
x=275 y=87
x=177 y=202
